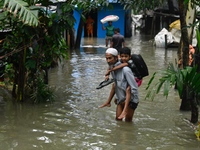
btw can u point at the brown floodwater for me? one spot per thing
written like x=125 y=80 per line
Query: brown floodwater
x=74 y=120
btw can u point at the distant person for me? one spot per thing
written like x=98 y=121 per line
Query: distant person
x=89 y=26
x=117 y=40
x=109 y=32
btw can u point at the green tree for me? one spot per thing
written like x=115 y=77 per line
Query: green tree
x=33 y=46
x=18 y=8
x=37 y=39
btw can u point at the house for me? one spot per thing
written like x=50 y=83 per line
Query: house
x=124 y=22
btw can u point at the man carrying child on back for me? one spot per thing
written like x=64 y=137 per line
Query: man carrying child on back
x=125 y=86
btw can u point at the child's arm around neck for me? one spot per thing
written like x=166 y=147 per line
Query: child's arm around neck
x=119 y=66
x=115 y=68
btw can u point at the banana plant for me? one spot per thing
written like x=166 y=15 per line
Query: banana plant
x=187 y=78
x=31 y=48
x=198 y=39
x=21 y=10
x=174 y=76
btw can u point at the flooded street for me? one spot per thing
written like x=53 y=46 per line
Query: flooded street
x=74 y=120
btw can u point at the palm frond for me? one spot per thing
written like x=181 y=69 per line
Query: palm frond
x=21 y=10
x=179 y=83
x=187 y=77
x=159 y=85
x=198 y=39
x=150 y=81
x=166 y=88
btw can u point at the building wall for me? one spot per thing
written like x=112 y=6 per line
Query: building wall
x=77 y=17
x=117 y=10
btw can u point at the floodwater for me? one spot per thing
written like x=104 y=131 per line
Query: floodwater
x=74 y=120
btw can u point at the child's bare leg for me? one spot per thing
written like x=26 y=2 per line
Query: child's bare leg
x=112 y=93
x=128 y=97
x=119 y=110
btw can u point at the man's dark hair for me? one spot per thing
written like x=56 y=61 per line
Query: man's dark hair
x=125 y=50
x=117 y=30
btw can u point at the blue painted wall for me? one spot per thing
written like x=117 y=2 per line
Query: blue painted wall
x=77 y=17
x=117 y=10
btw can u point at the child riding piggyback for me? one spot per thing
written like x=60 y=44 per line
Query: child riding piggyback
x=125 y=58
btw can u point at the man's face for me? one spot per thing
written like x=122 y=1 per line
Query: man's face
x=111 y=60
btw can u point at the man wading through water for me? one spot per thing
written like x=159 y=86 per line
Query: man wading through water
x=123 y=78
x=117 y=40
x=109 y=32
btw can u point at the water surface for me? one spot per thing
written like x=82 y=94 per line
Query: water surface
x=74 y=120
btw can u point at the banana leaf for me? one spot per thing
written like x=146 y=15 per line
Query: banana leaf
x=166 y=88
x=150 y=81
x=198 y=38
x=171 y=76
x=20 y=9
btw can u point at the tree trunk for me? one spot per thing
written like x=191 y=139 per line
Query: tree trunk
x=21 y=76
x=15 y=83
x=184 y=34
x=79 y=34
x=72 y=38
x=186 y=18
x=184 y=50
x=194 y=110
x=185 y=103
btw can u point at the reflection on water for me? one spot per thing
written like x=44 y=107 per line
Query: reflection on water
x=74 y=121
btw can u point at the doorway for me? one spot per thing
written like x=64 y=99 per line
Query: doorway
x=93 y=15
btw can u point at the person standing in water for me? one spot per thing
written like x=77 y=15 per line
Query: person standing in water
x=89 y=26
x=109 y=32
x=123 y=78
x=125 y=56
x=117 y=40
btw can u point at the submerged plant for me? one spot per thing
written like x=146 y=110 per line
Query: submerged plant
x=42 y=92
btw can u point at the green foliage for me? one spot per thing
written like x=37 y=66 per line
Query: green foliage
x=8 y=74
x=198 y=39
x=166 y=80
x=41 y=46
x=188 y=77
x=88 y=5
x=42 y=92
x=194 y=2
x=21 y=10
x=138 y=5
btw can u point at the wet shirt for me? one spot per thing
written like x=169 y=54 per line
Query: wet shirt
x=109 y=30
x=117 y=40
x=124 y=77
